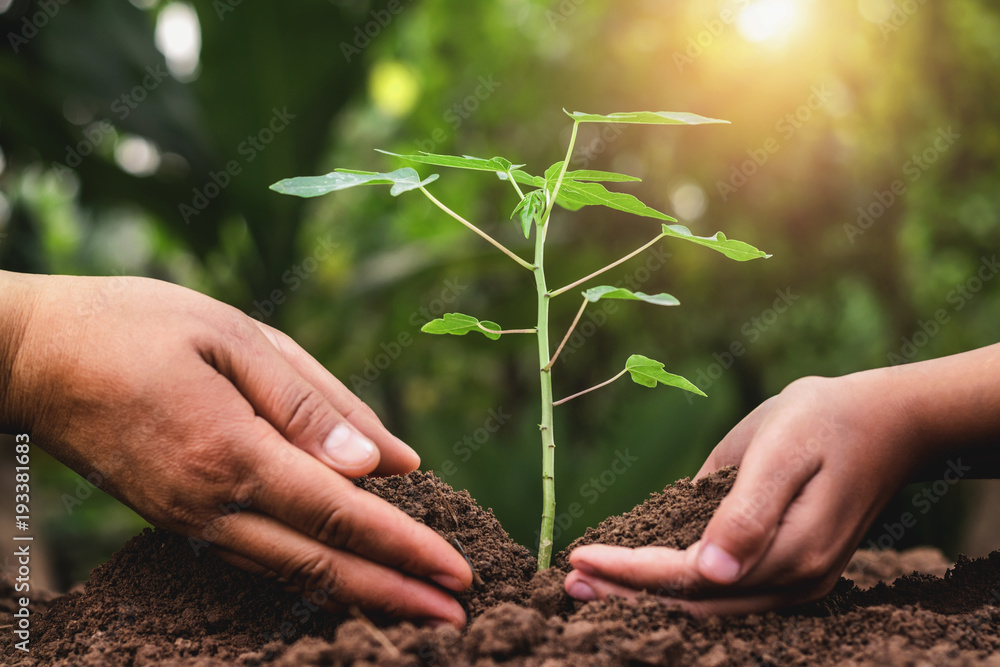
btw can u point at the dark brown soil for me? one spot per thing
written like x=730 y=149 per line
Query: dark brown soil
x=155 y=603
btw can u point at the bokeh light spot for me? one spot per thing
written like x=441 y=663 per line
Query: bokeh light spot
x=178 y=37
x=137 y=156
x=394 y=88
x=689 y=201
x=768 y=20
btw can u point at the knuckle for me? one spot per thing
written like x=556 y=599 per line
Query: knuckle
x=314 y=571
x=813 y=566
x=307 y=409
x=333 y=526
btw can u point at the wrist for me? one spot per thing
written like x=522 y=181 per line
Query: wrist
x=18 y=294
x=952 y=406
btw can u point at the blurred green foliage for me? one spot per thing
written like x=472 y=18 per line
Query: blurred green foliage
x=853 y=100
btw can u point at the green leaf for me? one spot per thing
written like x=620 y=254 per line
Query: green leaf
x=552 y=173
x=645 y=118
x=530 y=208
x=458 y=324
x=738 y=250
x=524 y=178
x=402 y=180
x=595 y=294
x=574 y=195
x=605 y=176
x=465 y=162
x=649 y=372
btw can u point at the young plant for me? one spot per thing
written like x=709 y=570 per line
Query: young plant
x=571 y=190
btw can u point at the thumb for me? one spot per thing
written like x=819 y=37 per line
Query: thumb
x=296 y=409
x=743 y=527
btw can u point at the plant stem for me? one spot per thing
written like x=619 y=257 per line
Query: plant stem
x=509 y=331
x=517 y=188
x=569 y=332
x=545 y=374
x=606 y=268
x=587 y=391
x=562 y=173
x=477 y=230
x=548 y=436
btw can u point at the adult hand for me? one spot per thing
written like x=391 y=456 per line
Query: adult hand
x=817 y=464
x=185 y=408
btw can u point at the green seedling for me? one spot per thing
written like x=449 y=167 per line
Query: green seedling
x=537 y=198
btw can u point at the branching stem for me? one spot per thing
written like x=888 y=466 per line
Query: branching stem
x=587 y=391
x=569 y=333
x=501 y=247
x=509 y=331
x=606 y=268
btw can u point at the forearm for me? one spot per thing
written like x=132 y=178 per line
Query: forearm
x=953 y=407
x=17 y=296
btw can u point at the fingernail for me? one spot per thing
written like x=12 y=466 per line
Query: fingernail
x=448 y=581
x=347 y=447
x=585 y=567
x=436 y=623
x=718 y=565
x=581 y=591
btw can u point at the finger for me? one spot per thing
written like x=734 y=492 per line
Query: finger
x=397 y=458
x=729 y=452
x=659 y=570
x=292 y=405
x=343 y=577
x=587 y=587
x=746 y=521
x=295 y=488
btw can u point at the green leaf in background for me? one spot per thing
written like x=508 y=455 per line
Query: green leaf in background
x=574 y=195
x=402 y=180
x=649 y=372
x=645 y=118
x=530 y=208
x=458 y=324
x=738 y=250
x=595 y=294
x=499 y=164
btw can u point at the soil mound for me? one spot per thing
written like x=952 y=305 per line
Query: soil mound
x=156 y=603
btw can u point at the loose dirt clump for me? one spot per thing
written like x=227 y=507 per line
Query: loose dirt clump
x=157 y=603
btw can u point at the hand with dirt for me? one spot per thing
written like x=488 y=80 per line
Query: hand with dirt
x=817 y=464
x=222 y=429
